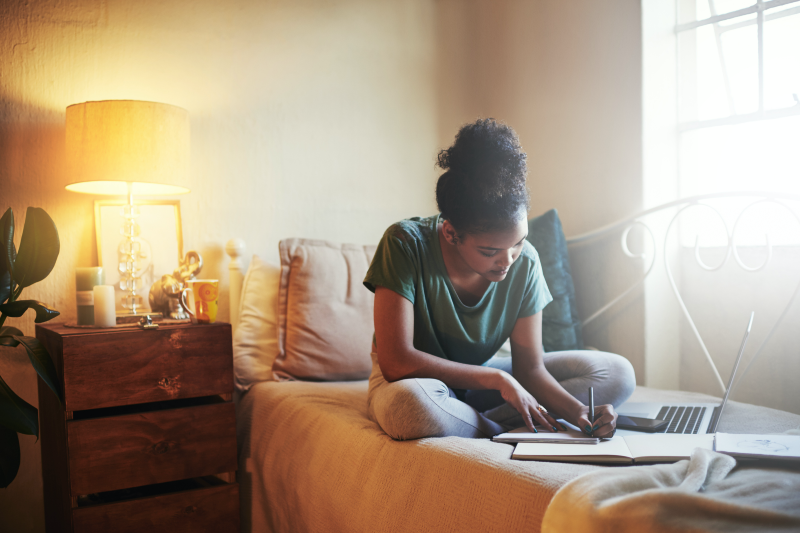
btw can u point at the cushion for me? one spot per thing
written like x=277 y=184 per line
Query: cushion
x=255 y=341
x=325 y=322
x=561 y=327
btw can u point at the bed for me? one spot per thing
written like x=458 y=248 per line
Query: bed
x=311 y=460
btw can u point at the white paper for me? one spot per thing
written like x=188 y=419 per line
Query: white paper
x=759 y=446
x=524 y=435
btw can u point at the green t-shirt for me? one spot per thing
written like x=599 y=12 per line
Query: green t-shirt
x=409 y=261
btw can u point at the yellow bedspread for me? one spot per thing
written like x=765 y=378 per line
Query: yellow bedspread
x=311 y=461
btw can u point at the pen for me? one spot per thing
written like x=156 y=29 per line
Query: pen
x=591 y=408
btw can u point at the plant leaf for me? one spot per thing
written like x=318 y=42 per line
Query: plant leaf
x=7 y=336
x=41 y=362
x=5 y=282
x=9 y=456
x=38 y=248
x=8 y=340
x=16 y=413
x=8 y=252
x=18 y=308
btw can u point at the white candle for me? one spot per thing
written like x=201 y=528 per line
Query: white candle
x=105 y=315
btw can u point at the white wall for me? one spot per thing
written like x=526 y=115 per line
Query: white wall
x=660 y=186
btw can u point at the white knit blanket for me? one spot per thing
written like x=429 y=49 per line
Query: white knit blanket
x=705 y=493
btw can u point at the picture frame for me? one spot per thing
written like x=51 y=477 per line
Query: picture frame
x=160 y=229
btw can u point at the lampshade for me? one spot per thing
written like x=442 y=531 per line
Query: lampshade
x=112 y=143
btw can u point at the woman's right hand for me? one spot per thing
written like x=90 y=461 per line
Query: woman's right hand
x=525 y=404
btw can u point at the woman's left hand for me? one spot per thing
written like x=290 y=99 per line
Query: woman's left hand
x=605 y=421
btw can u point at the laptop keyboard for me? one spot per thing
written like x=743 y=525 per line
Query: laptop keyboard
x=682 y=419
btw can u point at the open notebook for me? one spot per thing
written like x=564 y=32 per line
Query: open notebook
x=618 y=450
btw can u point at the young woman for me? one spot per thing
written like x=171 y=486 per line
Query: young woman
x=451 y=288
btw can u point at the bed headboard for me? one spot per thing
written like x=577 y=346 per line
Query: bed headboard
x=658 y=244
x=235 y=248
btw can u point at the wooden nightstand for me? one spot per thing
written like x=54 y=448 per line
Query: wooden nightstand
x=146 y=440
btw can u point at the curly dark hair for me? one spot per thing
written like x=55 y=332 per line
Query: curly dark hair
x=483 y=187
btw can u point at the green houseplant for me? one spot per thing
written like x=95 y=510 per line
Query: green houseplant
x=38 y=251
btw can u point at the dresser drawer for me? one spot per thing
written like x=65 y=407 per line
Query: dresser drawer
x=130 y=367
x=132 y=450
x=212 y=509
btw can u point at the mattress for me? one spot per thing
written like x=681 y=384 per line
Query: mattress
x=310 y=460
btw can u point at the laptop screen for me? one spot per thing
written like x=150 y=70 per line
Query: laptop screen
x=713 y=427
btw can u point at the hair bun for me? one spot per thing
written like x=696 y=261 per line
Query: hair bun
x=485 y=177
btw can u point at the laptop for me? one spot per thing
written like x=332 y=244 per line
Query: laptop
x=686 y=417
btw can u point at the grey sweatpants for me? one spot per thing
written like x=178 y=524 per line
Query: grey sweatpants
x=422 y=407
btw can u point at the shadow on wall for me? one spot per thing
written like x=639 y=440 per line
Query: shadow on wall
x=601 y=272
x=31 y=158
x=215 y=266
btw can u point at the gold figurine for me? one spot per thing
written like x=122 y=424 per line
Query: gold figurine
x=165 y=293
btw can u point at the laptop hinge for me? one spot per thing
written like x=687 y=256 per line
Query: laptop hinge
x=712 y=425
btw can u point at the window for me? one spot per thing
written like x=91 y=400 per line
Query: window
x=739 y=98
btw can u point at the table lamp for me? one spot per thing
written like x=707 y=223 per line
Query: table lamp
x=130 y=148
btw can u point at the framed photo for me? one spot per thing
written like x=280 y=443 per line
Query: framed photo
x=161 y=241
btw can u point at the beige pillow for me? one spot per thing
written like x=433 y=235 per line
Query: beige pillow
x=255 y=342
x=325 y=322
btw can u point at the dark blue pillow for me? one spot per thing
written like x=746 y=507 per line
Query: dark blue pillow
x=561 y=327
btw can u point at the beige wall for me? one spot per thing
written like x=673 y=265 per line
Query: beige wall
x=309 y=118
x=567 y=77
x=320 y=119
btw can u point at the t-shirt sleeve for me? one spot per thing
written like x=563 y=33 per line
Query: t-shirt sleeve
x=394 y=265
x=537 y=295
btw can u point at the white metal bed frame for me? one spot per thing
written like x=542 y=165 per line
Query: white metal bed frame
x=235 y=248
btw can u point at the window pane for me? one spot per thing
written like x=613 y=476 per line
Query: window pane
x=754 y=156
x=760 y=155
x=740 y=50
x=781 y=56
x=718 y=82
x=702 y=84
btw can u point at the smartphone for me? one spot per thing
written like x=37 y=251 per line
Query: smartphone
x=650 y=425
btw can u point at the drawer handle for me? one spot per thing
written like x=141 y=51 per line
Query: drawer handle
x=172 y=386
x=163 y=447
x=190 y=510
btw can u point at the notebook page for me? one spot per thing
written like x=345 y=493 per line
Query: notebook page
x=666 y=447
x=523 y=434
x=611 y=450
